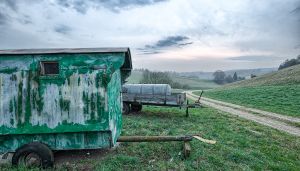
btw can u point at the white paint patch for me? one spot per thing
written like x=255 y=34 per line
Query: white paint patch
x=51 y=110
x=53 y=115
x=23 y=64
x=9 y=89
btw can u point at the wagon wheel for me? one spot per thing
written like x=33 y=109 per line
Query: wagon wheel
x=125 y=109
x=33 y=155
x=136 y=107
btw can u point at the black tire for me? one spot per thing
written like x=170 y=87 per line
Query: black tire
x=42 y=153
x=136 y=107
x=126 y=109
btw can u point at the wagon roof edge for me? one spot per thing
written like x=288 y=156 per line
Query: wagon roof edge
x=63 y=50
x=126 y=66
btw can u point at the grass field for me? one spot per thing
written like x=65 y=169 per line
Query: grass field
x=241 y=144
x=278 y=99
x=277 y=92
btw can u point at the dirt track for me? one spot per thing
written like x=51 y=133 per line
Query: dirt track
x=273 y=120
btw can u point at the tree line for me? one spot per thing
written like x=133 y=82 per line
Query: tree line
x=221 y=78
x=153 y=77
x=289 y=63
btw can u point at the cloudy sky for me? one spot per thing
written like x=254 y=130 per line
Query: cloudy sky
x=177 y=35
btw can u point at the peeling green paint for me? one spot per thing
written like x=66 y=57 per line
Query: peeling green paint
x=9 y=70
x=84 y=97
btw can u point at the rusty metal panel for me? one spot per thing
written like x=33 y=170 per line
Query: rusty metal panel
x=83 y=97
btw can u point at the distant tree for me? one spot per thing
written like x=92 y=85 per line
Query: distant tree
x=145 y=77
x=219 y=77
x=235 y=77
x=176 y=85
x=229 y=79
x=253 y=76
x=288 y=63
x=186 y=86
x=150 y=77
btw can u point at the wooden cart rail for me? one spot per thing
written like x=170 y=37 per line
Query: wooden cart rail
x=185 y=138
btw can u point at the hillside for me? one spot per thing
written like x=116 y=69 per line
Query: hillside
x=286 y=76
x=277 y=92
x=194 y=83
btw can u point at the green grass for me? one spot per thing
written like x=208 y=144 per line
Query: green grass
x=241 y=144
x=277 y=92
x=279 y=99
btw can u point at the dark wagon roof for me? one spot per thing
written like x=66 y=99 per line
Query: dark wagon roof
x=127 y=64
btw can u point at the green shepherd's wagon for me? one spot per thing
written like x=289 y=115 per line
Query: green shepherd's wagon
x=60 y=99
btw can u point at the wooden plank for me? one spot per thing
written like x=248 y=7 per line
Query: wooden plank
x=205 y=140
x=186 y=149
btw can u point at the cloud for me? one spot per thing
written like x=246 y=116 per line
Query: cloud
x=168 y=42
x=216 y=29
x=12 y=4
x=4 y=5
x=63 y=29
x=82 y=6
x=3 y=18
x=9 y=12
x=255 y=58
x=25 y=20
x=296 y=10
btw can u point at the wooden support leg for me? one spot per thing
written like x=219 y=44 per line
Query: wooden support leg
x=187 y=109
x=186 y=149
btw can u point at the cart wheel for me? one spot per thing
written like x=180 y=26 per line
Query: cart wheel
x=34 y=154
x=136 y=107
x=125 y=109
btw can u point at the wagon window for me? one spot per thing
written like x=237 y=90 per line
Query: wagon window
x=50 y=68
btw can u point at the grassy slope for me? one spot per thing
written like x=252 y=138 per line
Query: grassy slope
x=288 y=76
x=276 y=92
x=241 y=144
x=194 y=83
